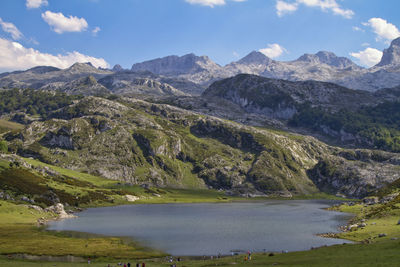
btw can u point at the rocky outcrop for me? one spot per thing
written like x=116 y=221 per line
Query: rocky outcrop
x=130 y=83
x=58 y=209
x=355 y=177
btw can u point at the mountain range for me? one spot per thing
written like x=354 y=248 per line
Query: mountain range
x=322 y=66
x=191 y=74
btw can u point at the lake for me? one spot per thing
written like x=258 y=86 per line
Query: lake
x=212 y=228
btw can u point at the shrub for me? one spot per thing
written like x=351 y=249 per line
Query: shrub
x=3 y=147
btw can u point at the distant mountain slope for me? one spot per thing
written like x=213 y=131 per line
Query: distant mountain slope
x=41 y=76
x=322 y=66
x=191 y=74
x=353 y=117
x=84 y=86
x=281 y=99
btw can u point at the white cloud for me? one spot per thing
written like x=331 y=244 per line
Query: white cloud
x=14 y=56
x=273 y=50
x=59 y=23
x=95 y=31
x=368 y=57
x=384 y=30
x=211 y=3
x=236 y=54
x=36 y=3
x=11 y=29
x=358 y=29
x=283 y=7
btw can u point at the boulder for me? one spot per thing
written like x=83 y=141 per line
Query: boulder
x=58 y=209
x=371 y=200
x=351 y=227
x=131 y=198
x=362 y=225
x=27 y=199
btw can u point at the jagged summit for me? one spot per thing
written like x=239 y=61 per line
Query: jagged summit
x=391 y=55
x=117 y=68
x=81 y=66
x=328 y=58
x=255 y=57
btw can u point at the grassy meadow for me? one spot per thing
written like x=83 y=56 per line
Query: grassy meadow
x=20 y=234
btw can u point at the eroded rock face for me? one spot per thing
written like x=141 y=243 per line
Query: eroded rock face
x=357 y=177
x=391 y=55
x=60 y=140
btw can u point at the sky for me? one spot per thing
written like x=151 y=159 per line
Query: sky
x=108 y=32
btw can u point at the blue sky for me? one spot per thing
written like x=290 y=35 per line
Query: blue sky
x=108 y=32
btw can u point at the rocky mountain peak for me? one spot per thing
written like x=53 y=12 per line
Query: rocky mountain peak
x=176 y=65
x=117 y=68
x=255 y=57
x=391 y=55
x=81 y=67
x=328 y=58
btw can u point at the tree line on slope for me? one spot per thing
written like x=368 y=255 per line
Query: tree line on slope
x=377 y=127
x=33 y=102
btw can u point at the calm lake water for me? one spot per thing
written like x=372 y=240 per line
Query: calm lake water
x=209 y=229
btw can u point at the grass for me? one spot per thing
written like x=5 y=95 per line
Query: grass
x=173 y=195
x=379 y=254
x=6 y=126
x=18 y=234
x=95 y=180
x=375 y=225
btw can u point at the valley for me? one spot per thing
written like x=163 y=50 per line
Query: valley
x=179 y=130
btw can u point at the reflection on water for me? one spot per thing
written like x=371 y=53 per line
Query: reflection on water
x=209 y=229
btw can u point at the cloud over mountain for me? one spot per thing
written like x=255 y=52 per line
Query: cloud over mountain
x=368 y=57
x=15 y=56
x=273 y=50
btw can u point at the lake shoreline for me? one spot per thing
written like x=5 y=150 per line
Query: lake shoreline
x=337 y=230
